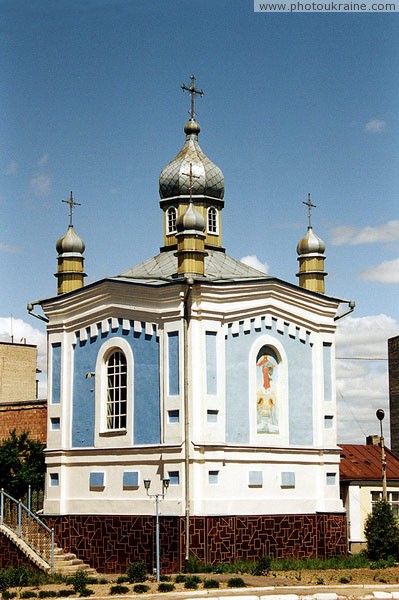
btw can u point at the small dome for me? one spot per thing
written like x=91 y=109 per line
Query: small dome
x=310 y=243
x=70 y=242
x=190 y=220
x=207 y=180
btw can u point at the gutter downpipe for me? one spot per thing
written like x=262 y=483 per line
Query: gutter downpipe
x=186 y=323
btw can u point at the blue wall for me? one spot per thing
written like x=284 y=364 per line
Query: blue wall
x=300 y=392
x=146 y=396
x=173 y=354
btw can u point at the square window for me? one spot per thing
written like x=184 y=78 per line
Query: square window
x=96 y=481
x=173 y=416
x=287 y=479
x=328 y=421
x=54 y=480
x=55 y=423
x=212 y=416
x=255 y=478
x=331 y=478
x=130 y=480
x=174 y=477
x=213 y=477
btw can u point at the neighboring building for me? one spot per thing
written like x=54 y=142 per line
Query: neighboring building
x=393 y=370
x=20 y=409
x=195 y=368
x=361 y=485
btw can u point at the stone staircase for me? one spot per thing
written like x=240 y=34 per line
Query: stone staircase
x=65 y=563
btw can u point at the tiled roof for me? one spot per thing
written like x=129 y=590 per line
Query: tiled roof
x=218 y=267
x=363 y=462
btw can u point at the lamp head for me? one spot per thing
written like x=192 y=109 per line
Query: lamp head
x=165 y=483
x=147 y=483
x=380 y=414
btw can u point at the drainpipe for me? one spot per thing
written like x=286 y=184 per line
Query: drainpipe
x=186 y=323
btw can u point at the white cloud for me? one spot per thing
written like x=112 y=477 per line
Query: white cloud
x=43 y=160
x=375 y=126
x=40 y=184
x=388 y=232
x=11 y=168
x=362 y=385
x=21 y=332
x=386 y=272
x=9 y=249
x=253 y=261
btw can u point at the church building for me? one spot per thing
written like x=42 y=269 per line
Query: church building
x=194 y=387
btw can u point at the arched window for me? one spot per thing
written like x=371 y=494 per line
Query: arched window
x=171 y=217
x=116 y=405
x=212 y=220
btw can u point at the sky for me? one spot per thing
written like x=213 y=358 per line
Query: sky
x=91 y=102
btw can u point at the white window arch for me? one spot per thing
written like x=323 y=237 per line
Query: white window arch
x=268 y=392
x=114 y=392
x=171 y=218
x=212 y=221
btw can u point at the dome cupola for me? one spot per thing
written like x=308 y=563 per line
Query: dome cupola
x=310 y=250
x=70 y=248
x=192 y=176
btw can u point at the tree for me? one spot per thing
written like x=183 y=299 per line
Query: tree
x=21 y=464
x=382 y=532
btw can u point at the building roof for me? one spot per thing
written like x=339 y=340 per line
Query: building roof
x=218 y=267
x=363 y=462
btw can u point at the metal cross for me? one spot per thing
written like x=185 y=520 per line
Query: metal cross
x=192 y=91
x=71 y=203
x=309 y=204
x=191 y=175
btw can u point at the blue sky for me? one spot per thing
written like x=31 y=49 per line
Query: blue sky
x=90 y=101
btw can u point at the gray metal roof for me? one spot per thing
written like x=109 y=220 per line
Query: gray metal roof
x=218 y=267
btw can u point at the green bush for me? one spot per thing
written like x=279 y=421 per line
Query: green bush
x=180 y=578
x=6 y=595
x=236 y=582
x=65 y=593
x=195 y=565
x=164 y=578
x=140 y=588
x=210 y=583
x=262 y=566
x=47 y=594
x=79 y=581
x=345 y=579
x=118 y=589
x=382 y=533
x=137 y=572
x=122 y=579
x=192 y=582
x=28 y=594
x=86 y=592
x=166 y=587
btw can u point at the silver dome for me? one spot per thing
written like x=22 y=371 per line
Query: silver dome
x=207 y=179
x=70 y=242
x=310 y=243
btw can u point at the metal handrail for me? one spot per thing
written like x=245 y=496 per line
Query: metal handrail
x=21 y=520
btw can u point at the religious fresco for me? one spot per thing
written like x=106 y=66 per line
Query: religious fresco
x=267 y=420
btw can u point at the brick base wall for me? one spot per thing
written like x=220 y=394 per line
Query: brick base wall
x=11 y=556
x=109 y=543
x=24 y=416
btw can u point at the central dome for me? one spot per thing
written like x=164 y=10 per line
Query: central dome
x=207 y=180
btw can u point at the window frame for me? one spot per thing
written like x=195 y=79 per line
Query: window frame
x=212 y=221
x=102 y=431
x=116 y=390
x=171 y=221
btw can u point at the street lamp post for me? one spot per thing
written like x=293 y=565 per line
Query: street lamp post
x=380 y=414
x=157 y=497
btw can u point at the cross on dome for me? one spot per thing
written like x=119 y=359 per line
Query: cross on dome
x=192 y=90
x=71 y=203
x=191 y=175
x=309 y=204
